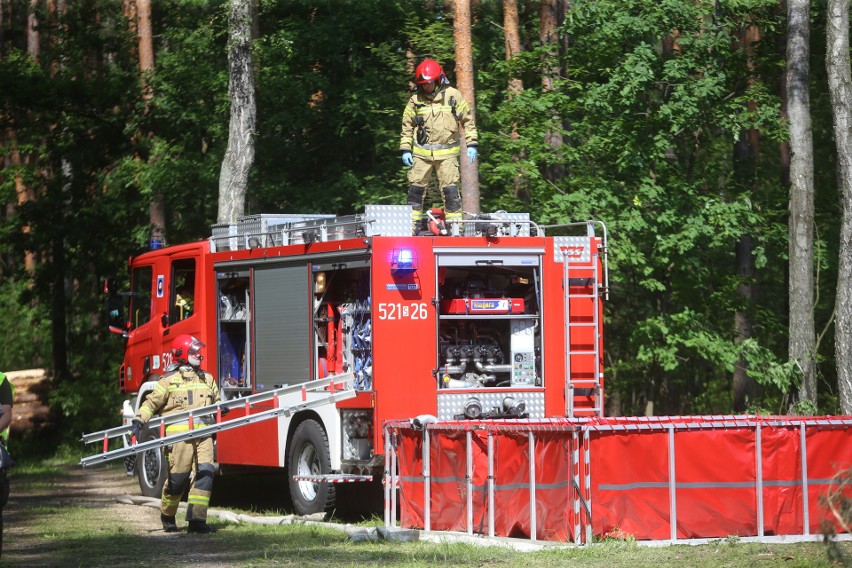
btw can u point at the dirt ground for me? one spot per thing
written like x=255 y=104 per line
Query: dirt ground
x=26 y=544
x=27 y=541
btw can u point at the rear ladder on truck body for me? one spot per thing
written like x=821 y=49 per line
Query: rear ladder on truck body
x=585 y=278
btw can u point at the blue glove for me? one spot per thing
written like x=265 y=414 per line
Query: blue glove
x=407 y=159
x=471 y=153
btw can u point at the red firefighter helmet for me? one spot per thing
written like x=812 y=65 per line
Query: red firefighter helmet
x=430 y=70
x=187 y=349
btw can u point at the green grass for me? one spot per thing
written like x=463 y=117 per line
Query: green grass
x=72 y=537
x=51 y=533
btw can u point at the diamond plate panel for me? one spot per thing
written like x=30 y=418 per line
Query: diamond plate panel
x=261 y=223
x=390 y=220
x=225 y=237
x=571 y=249
x=451 y=404
x=509 y=224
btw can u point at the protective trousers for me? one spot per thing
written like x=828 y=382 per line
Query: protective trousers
x=182 y=456
x=4 y=498
x=447 y=171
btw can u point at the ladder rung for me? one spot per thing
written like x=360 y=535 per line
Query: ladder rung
x=582 y=353
x=583 y=324
x=584 y=383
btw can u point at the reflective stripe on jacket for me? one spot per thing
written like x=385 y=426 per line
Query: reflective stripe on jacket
x=178 y=391
x=442 y=128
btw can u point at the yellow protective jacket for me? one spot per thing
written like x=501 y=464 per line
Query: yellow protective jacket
x=180 y=390
x=441 y=126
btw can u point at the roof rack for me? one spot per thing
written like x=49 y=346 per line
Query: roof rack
x=269 y=230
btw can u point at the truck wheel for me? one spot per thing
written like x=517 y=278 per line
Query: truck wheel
x=309 y=456
x=151 y=467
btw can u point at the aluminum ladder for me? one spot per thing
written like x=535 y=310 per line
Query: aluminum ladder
x=591 y=387
x=286 y=401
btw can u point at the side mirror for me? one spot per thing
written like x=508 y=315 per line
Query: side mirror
x=110 y=287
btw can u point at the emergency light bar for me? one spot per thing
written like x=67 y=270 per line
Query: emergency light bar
x=403 y=260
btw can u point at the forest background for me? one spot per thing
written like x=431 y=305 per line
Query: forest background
x=666 y=119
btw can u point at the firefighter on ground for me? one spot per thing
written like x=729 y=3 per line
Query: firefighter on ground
x=184 y=386
x=430 y=140
x=7 y=398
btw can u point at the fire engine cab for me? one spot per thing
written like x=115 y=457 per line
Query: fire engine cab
x=495 y=319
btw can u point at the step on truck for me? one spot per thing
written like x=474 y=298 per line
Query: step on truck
x=491 y=317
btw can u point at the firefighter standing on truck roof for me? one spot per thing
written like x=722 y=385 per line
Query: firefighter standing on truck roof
x=185 y=386
x=430 y=140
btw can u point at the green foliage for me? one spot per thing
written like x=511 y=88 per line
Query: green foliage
x=81 y=403
x=649 y=135
x=69 y=125
x=26 y=328
x=651 y=100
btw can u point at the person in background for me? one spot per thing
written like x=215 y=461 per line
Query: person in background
x=7 y=398
x=184 y=387
x=183 y=301
x=430 y=140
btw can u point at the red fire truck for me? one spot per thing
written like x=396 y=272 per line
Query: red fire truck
x=495 y=319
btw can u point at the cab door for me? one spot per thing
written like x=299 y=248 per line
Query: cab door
x=137 y=364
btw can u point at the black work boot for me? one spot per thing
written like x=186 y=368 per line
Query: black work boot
x=169 y=524
x=423 y=228
x=200 y=527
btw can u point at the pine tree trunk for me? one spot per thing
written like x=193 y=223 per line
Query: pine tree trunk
x=145 y=36
x=239 y=156
x=743 y=383
x=33 y=43
x=840 y=91
x=464 y=83
x=146 y=46
x=802 y=335
x=511 y=29
x=550 y=15
x=25 y=192
x=746 y=155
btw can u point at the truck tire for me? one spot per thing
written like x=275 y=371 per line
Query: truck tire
x=309 y=455
x=151 y=467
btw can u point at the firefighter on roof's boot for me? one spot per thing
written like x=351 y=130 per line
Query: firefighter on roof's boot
x=452 y=205
x=416 y=193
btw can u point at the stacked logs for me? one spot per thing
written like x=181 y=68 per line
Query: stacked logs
x=31 y=412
